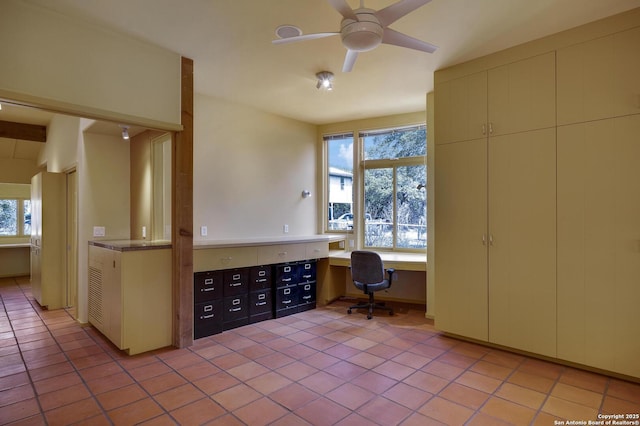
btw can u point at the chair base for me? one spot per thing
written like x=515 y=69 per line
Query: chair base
x=370 y=306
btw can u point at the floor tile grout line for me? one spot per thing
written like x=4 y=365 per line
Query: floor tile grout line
x=26 y=369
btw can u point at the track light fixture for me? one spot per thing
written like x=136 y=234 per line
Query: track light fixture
x=125 y=132
x=325 y=80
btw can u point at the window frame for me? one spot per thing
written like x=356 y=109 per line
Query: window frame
x=358 y=182
x=327 y=217
x=20 y=223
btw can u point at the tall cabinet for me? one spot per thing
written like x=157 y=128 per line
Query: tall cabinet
x=48 y=239
x=599 y=203
x=537 y=197
x=495 y=205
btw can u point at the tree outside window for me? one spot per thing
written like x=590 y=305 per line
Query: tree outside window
x=15 y=217
x=394 y=170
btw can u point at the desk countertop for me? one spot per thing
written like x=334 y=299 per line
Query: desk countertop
x=399 y=261
x=265 y=241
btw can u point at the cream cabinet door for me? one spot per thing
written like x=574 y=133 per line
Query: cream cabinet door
x=522 y=241
x=599 y=244
x=522 y=95
x=460 y=229
x=461 y=109
x=599 y=79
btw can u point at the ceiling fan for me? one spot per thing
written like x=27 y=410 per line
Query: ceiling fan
x=364 y=29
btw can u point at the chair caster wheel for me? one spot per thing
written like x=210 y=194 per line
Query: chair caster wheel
x=368 y=316
x=390 y=313
x=349 y=311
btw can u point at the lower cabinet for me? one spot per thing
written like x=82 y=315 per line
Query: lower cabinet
x=231 y=298
x=129 y=294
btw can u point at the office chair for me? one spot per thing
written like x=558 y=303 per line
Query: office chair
x=368 y=275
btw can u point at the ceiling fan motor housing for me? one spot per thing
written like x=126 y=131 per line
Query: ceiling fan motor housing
x=364 y=34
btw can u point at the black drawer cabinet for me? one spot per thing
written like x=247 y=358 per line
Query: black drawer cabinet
x=207 y=318
x=260 y=305
x=306 y=296
x=207 y=286
x=236 y=282
x=231 y=298
x=286 y=274
x=260 y=278
x=236 y=311
x=286 y=300
x=307 y=271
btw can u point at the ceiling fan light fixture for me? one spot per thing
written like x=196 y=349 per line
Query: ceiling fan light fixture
x=362 y=35
x=325 y=80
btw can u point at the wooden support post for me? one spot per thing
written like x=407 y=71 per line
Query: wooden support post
x=182 y=216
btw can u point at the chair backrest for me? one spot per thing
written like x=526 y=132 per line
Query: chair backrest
x=366 y=267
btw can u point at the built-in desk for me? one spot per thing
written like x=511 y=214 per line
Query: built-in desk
x=14 y=259
x=409 y=285
x=399 y=261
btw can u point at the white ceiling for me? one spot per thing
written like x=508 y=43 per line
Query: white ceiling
x=230 y=43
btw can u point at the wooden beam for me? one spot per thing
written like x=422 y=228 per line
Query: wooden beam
x=27 y=132
x=182 y=215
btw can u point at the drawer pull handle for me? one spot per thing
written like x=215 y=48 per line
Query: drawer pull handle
x=208 y=281
x=306 y=297
x=262 y=296
x=208 y=289
x=207 y=316
x=235 y=284
x=226 y=259
x=235 y=309
x=306 y=276
x=262 y=273
x=208 y=308
x=307 y=266
x=287 y=291
x=307 y=287
x=263 y=280
x=261 y=303
x=282 y=253
x=287 y=269
x=235 y=302
x=286 y=302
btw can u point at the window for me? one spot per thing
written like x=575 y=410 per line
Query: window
x=394 y=171
x=15 y=217
x=339 y=176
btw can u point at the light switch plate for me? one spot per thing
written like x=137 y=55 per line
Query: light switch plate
x=99 y=231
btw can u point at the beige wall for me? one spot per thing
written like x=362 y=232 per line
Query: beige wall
x=16 y=170
x=79 y=68
x=103 y=199
x=250 y=168
x=141 y=183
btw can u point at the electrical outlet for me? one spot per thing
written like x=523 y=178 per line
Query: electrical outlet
x=203 y=231
x=285 y=228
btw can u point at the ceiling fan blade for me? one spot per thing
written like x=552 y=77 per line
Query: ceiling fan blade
x=343 y=8
x=302 y=38
x=392 y=13
x=349 y=60
x=398 y=39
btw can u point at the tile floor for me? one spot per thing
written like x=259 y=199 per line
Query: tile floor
x=320 y=367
